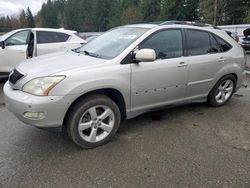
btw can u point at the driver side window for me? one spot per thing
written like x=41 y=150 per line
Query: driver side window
x=19 y=38
x=167 y=44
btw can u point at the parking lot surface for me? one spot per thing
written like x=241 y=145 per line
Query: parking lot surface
x=190 y=146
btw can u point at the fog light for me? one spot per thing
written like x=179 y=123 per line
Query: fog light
x=34 y=115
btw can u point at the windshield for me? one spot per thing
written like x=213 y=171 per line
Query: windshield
x=112 y=43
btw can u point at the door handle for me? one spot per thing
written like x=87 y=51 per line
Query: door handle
x=63 y=47
x=222 y=59
x=182 y=64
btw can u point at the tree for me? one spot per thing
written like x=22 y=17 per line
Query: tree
x=179 y=10
x=22 y=19
x=30 y=18
x=100 y=15
x=151 y=10
x=236 y=11
x=224 y=11
x=2 y=24
x=247 y=18
x=48 y=14
x=103 y=14
x=130 y=15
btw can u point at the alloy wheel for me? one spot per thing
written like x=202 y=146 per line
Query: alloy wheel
x=96 y=123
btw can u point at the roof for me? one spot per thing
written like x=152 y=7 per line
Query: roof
x=234 y=26
x=148 y=26
x=48 y=29
x=52 y=29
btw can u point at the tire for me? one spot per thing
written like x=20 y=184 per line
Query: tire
x=87 y=124
x=222 y=91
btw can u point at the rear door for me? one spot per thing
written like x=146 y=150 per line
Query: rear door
x=49 y=42
x=206 y=56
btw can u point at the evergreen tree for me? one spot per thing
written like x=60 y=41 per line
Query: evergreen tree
x=151 y=10
x=30 y=18
x=23 y=19
x=101 y=15
x=247 y=18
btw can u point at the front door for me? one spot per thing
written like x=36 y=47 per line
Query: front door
x=14 y=51
x=155 y=84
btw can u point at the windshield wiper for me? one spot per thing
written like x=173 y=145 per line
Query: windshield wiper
x=75 y=50
x=86 y=52
x=91 y=54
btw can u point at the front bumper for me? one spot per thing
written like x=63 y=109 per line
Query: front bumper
x=53 y=108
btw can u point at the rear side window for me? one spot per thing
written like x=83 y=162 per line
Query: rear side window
x=215 y=47
x=201 y=42
x=198 y=42
x=167 y=44
x=223 y=44
x=51 y=37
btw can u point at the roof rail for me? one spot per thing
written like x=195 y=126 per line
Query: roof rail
x=199 y=24
x=171 y=22
x=145 y=22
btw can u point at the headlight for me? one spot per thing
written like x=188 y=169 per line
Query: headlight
x=42 y=86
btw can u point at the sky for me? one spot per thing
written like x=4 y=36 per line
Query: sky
x=13 y=7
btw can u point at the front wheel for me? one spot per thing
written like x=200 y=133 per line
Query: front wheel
x=93 y=121
x=222 y=91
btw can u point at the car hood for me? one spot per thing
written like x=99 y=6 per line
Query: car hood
x=57 y=62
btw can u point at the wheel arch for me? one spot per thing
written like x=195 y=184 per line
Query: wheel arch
x=113 y=94
x=217 y=80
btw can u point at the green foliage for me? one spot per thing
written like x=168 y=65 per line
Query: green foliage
x=228 y=11
x=247 y=19
x=179 y=10
x=100 y=15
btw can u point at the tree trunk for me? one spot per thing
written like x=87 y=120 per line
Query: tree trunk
x=215 y=11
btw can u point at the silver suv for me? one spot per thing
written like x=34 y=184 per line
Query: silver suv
x=123 y=73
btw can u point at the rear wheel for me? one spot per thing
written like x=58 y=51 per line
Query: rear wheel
x=222 y=91
x=93 y=121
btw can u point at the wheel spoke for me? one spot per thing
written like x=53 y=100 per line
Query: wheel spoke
x=218 y=95
x=229 y=90
x=92 y=136
x=223 y=97
x=105 y=114
x=84 y=126
x=228 y=82
x=221 y=88
x=106 y=127
x=92 y=112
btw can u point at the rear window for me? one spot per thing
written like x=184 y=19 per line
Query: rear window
x=51 y=37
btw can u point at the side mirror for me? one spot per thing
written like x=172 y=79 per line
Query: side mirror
x=2 y=45
x=145 y=55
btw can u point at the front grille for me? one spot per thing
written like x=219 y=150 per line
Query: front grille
x=15 y=76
